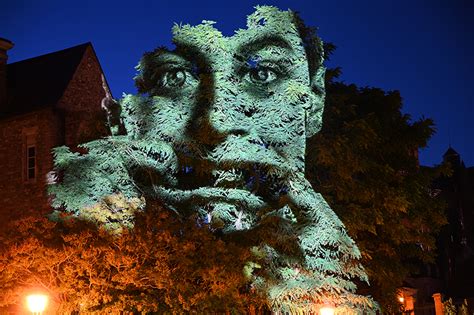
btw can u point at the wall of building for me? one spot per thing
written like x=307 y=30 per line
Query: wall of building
x=81 y=102
x=77 y=118
x=19 y=195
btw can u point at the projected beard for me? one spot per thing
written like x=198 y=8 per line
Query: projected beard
x=236 y=111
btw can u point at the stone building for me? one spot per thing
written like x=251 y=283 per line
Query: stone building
x=45 y=102
x=452 y=274
x=456 y=240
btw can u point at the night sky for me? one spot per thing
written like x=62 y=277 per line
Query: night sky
x=424 y=49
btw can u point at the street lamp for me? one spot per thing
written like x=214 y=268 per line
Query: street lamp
x=327 y=310
x=37 y=303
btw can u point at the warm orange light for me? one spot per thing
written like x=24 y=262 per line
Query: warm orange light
x=401 y=299
x=36 y=302
x=327 y=310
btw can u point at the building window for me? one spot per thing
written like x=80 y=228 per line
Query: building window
x=30 y=162
x=30 y=155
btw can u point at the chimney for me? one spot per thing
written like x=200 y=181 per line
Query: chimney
x=5 y=45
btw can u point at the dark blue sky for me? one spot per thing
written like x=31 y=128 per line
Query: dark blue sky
x=424 y=49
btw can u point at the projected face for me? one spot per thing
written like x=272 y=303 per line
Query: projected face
x=236 y=110
x=218 y=134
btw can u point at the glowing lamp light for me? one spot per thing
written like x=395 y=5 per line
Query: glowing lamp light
x=36 y=303
x=401 y=299
x=327 y=310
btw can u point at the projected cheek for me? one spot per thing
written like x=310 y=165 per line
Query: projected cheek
x=173 y=100
x=279 y=118
x=171 y=115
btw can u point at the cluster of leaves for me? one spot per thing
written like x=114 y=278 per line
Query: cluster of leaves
x=289 y=254
x=365 y=163
x=449 y=307
x=248 y=185
x=163 y=265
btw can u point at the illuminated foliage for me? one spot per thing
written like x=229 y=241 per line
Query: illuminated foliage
x=163 y=265
x=218 y=136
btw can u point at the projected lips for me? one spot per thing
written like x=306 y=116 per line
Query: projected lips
x=237 y=197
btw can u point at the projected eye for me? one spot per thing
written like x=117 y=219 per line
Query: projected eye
x=263 y=75
x=174 y=78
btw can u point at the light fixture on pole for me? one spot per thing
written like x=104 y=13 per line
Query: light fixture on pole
x=37 y=303
x=327 y=310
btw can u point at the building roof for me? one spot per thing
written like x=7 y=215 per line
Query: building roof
x=450 y=151
x=40 y=81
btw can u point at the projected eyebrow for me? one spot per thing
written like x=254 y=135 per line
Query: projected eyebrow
x=169 y=57
x=193 y=54
x=263 y=42
x=186 y=55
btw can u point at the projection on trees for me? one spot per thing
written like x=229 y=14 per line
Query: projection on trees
x=217 y=133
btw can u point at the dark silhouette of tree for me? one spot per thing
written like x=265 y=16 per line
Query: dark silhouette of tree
x=365 y=161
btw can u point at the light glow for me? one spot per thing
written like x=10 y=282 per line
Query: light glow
x=401 y=299
x=327 y=310
x=36 y=302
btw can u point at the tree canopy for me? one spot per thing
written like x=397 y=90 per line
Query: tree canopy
x=163 y=220
x=217 y=134
x=164 y=265
x=365 y=162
